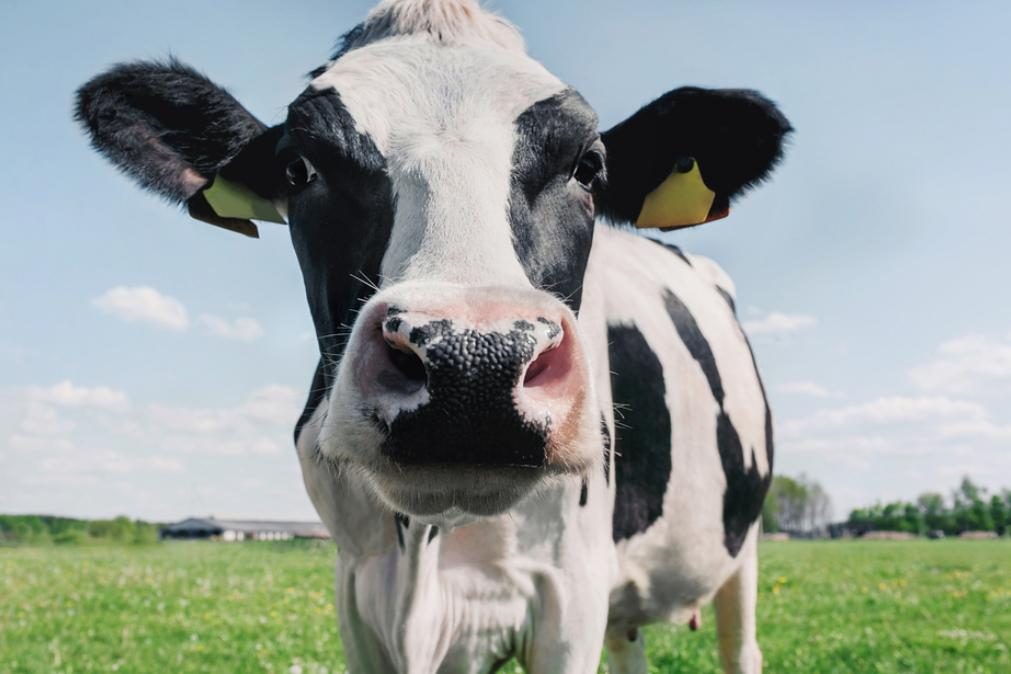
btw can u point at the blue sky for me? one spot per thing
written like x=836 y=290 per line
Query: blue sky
x=154 y=366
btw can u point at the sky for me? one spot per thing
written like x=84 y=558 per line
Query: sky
x=153 y=366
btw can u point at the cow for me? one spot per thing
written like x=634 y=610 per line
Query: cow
x=531 y=431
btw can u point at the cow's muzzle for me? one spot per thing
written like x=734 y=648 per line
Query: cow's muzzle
x=464 y=397
x=491 y=391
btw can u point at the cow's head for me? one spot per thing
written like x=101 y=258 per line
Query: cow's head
x=440 y=187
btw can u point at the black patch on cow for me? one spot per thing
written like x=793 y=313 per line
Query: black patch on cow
x=550 y=214
x=553 y=328
x=769 y=448
x=340 y=223
x=736 y=135
x=401 y=522
x=746 y=488
x=674 y=249
x=605 y=435
x=584 y=492
x=730 y=300
x=471 y=416
x=422 y=335
x=164 y=124
x=432 y=533
x=642 y=436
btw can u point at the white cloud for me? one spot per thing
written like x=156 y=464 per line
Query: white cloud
x=778 y=323
x=67 y=394
x=274 y=404
x=805 y=388
x=897 y=447
x=259 y=425
x=967 y=364
x=242 y=328
x=105 y=461
x=90 y=451
x=977 y=429
x=887 y=410
x=143 y=304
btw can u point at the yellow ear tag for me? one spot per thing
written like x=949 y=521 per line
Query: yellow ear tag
x=680 y=200
x=235 y=200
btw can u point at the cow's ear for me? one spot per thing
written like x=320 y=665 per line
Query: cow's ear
x=180 y=135
x=680 y=160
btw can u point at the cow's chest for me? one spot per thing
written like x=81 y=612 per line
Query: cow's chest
x=435 y=603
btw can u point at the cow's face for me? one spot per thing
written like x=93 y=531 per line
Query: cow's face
x=469 y=170
x=441 y=188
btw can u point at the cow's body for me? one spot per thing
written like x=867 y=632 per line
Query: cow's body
x=528 y=432
x=562 y=565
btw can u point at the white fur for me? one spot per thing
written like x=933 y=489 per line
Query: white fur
x=443 y=117
x=437 y=85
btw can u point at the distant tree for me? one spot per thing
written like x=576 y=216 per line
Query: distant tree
x=970 y=510
x=796 y=504
x=913 y=520
x=968 y=492
x=44 y=529
x=770 y=513
x=819 y=506
x=860 y=521
x=791 y=496
x=891 y=517
x=999 y=514
x=70 y=536
x=935 y=512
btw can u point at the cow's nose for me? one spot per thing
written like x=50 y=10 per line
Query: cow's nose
x=454 y=392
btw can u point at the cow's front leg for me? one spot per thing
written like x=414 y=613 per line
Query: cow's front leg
x=626 y=653
x=580 y=656
x=567 y=633
x=735 y=604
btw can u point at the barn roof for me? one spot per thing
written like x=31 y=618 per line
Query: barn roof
x=214 y=525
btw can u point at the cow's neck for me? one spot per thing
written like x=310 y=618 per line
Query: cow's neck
x=460 y=597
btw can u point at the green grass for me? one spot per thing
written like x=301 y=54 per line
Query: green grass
x=882 y=607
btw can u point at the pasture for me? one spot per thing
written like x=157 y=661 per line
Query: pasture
x=825 y=607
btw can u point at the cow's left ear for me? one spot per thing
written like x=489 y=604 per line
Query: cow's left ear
x=680 y=160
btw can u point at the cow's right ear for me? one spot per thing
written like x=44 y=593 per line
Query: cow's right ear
x=180 y=135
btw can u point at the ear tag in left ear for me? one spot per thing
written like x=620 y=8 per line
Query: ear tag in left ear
x=681 y=200
x=234 y=200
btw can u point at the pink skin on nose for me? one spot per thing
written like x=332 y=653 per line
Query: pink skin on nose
x=552 y=383
x=551 y=387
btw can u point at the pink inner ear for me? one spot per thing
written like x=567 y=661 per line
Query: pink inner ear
x=192 y=181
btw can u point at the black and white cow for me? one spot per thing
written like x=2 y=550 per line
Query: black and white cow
x=536 y=433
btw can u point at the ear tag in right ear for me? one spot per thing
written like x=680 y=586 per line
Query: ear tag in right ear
x=234 y=200
x=681 y=200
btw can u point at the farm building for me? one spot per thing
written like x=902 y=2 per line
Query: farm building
x=210 y=528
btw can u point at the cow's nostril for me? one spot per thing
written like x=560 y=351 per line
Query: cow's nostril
x=539 y=369
x=535 y=369
x=407 y=364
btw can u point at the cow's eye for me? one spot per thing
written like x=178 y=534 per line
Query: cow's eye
x=299 y=172
x=588 y=169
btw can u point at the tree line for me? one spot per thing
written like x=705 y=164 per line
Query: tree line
x=46 y=529
x=796 y=505
x=969 y=508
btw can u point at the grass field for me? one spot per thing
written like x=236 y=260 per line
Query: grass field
x=882 y=607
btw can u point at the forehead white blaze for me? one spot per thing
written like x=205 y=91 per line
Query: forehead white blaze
x=444 y=117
